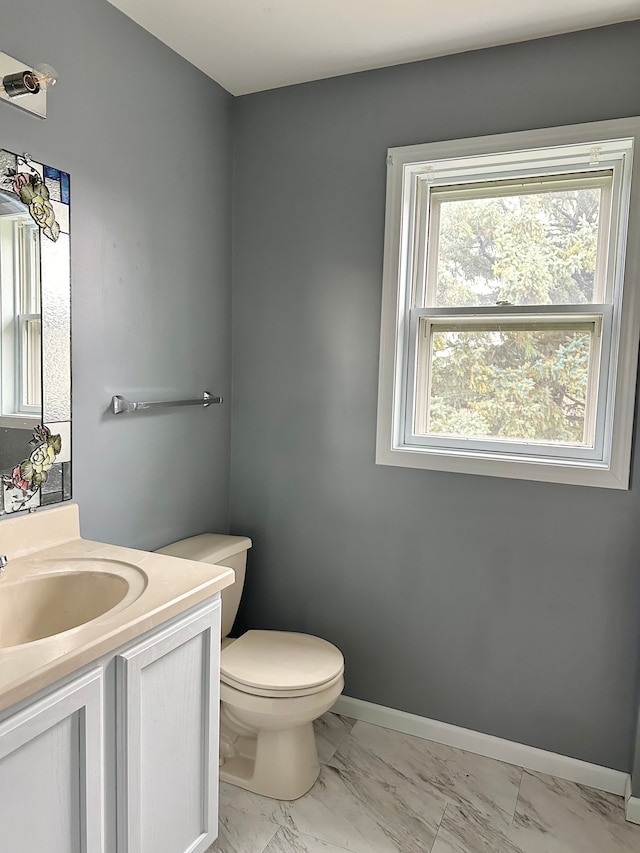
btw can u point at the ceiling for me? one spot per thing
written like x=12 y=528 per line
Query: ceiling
x=253 y=45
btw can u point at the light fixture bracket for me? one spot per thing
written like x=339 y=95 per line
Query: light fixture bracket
x=32 y=103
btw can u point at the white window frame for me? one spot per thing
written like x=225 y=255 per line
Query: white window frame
x=19 y=357
x=412 y=172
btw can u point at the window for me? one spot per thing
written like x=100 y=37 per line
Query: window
x=20 y=328
x=509 y=324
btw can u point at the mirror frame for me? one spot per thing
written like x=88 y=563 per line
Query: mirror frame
x=40 y=474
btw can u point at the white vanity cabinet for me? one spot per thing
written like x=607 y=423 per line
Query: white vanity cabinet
x=167 y=737
x=122 y=758
x=51 y=771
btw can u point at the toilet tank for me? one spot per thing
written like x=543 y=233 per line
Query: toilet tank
x=219 y=550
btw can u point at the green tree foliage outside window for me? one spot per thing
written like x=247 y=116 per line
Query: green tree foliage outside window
x=529 y=249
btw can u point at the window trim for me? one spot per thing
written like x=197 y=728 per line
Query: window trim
x=413 y=167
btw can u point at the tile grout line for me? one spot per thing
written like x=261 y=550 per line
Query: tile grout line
x=304 y=835
x=344 y=737
x=515 y=808
x=342 y=740
x=435 y=838
x=271 y=839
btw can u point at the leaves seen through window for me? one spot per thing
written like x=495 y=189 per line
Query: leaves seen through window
x=523 y=384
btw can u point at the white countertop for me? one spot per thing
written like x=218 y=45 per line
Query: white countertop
x=49 y=540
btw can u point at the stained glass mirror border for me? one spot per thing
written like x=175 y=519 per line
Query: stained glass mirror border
x=35 y=452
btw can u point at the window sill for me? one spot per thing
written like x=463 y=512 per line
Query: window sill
x=19 y=421
x=599 y=474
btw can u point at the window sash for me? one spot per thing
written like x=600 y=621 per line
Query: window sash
x=20 y=318
x=28 y=364
x=424 y=321
x=524 y=186
x=27 y=266
x=426 y=186
x=28 y=381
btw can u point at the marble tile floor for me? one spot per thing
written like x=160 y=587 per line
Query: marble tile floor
x=380 y=791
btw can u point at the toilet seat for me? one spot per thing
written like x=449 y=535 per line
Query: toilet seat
x=274 y=693
x=280 y=664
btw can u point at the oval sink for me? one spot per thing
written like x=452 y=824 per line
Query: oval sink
x=49 y=604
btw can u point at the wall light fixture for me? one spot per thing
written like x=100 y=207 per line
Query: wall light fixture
x=26 y=86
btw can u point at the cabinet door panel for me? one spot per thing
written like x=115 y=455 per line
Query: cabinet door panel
x=168 y=738
x=51 y=773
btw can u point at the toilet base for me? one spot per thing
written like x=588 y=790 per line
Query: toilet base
x=280 y=764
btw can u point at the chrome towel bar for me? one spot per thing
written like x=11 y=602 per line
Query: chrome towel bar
x=119 y=405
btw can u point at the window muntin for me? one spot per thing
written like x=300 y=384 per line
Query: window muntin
x=559 y=166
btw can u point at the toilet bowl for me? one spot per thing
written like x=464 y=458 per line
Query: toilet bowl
x=273 y=685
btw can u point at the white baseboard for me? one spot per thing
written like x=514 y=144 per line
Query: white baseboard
x=632 y=809
x=529 y=757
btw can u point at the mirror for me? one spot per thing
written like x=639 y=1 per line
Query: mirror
x=35 y=369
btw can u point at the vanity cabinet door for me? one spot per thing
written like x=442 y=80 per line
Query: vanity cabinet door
x=167 y=737
x=51 y=772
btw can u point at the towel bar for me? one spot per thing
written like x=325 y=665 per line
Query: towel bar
x=119 y=405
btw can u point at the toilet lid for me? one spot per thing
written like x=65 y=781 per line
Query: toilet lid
x=280 y=660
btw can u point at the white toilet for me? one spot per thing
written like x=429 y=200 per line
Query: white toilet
x=273 y=685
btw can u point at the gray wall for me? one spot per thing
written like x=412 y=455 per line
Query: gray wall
x=147 y=140
x=635 y=770
x=507 y=607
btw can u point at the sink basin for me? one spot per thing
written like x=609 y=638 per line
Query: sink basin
x=48 y=604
